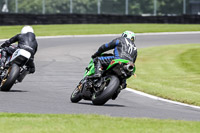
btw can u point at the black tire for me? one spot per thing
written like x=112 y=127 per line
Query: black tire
x=11 y=78
x=107 y=94
x=76 y=95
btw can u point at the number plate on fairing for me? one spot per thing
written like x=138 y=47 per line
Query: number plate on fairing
x=20 y=53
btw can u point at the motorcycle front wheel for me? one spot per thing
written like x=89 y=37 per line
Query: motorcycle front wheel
x=10 y=77
x=112 y=84
x=76 y=94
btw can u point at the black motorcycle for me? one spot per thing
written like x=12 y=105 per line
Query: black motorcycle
x=15 y=69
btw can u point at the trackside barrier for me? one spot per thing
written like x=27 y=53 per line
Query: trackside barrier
x=24 y=19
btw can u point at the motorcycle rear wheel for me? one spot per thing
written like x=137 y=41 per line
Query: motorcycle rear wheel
x=8 y=81
x=108 y=92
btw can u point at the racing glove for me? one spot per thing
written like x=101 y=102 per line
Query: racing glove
x=4 y=44
x=94 y=55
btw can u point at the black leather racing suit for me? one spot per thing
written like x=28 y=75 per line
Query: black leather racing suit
x=25 y=41
x=123 y=47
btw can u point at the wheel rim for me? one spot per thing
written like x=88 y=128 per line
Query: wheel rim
x=75 y=93
x=5 y=77
x=77 y=90
x=107 y=81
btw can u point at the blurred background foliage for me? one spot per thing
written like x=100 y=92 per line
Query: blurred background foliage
x=135 y=7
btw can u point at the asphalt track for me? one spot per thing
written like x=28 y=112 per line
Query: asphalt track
x=60 y=64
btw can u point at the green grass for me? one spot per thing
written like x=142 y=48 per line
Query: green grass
x=35 y=123
x=171 y=72
x=85 y=29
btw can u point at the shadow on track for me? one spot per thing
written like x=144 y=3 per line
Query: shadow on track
x=17 y=91
x=107 y=105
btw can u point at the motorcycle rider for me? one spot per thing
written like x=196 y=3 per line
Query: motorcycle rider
x=124 y=48
x=27 y=41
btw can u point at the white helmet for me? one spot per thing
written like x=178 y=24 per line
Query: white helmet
x=27 y=29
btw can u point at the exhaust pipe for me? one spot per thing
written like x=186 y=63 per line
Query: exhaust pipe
x=128 y=67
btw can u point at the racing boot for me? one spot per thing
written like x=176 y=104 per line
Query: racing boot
x=2 y=63
x=3 y=60
x=98 y=70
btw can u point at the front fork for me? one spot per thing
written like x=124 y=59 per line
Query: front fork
x=88 y=87
x=84 y=88
x=4 y=75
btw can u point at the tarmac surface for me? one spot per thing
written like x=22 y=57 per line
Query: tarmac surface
x=60 y=64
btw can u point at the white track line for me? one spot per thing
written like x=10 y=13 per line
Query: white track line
x=106 y=35
x=169 y=33
x=160 y=99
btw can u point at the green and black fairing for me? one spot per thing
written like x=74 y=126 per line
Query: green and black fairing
x=115 y=67
x=108 y=86
x=90 y=70
x=122 y=68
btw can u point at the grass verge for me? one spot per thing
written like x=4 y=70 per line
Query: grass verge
x=171 y=72
x=86 y=29
x=35 y=123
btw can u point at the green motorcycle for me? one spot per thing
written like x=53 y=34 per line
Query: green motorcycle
x=108 y=86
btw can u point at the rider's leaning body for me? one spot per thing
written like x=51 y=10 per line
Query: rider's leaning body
x=124 y=48
x=26 y=40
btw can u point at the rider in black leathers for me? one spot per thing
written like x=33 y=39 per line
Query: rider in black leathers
x=26 y=40
x=124 y=48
